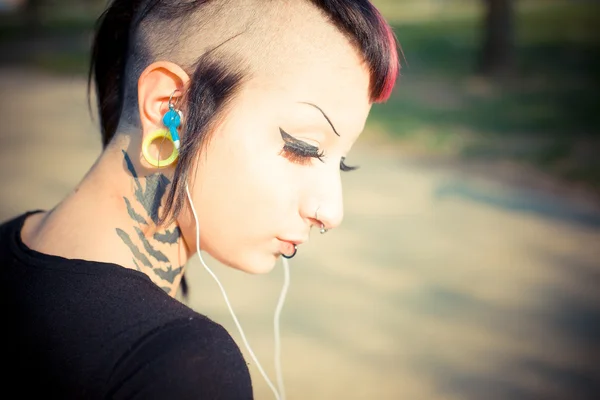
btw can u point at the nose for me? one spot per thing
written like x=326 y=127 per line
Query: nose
x=325 y=204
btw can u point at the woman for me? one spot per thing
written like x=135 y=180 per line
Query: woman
x=225 y=124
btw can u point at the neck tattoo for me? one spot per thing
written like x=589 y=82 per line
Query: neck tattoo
x=143 y=209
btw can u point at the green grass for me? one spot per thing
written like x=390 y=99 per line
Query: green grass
x=537 y=116
x=74 y=63
x=14 y=26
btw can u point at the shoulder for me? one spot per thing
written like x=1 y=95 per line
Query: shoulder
x=14 y=224
x=188 y=358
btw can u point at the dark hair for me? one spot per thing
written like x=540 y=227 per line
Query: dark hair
x=118 y=57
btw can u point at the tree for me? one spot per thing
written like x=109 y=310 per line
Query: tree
x=32 y=14
x=498 y=46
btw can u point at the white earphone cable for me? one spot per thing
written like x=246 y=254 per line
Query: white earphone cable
x=278 y=369
x=278 y=395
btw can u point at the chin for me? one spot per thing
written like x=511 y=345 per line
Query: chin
x=260 y=265
x=255 y=264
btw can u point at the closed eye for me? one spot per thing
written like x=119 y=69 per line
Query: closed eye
x=298 y=151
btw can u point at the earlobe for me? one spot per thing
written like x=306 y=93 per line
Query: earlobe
x=156 y=85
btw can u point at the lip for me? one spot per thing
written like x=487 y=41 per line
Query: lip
x=287 y=246
x=297 y=242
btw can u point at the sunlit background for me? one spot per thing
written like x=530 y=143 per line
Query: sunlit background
x=468 y=265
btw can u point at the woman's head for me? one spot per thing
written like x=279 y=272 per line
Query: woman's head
x=274 y=93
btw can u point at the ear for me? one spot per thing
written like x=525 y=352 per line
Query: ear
x=156 y=85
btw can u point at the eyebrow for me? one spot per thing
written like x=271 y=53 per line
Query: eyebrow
x=325 y=115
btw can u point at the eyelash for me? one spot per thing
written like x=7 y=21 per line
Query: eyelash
x=304 y=156
x=301 y=156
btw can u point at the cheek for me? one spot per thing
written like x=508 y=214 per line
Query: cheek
x=244 y=198
x=243 y=188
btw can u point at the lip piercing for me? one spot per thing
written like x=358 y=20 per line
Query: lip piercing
x=292 y=255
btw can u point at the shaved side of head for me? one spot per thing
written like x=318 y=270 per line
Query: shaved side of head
x=253 y=38
x=222 y=45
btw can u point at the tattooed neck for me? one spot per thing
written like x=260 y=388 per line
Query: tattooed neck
x=154 y=250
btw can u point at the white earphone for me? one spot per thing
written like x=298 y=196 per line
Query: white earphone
x=279 y=394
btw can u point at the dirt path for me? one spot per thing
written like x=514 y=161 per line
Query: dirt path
x=441 y=283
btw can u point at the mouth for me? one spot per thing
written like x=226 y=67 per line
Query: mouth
x=288 y=247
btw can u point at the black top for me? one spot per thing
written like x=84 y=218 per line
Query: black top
x=77 y=329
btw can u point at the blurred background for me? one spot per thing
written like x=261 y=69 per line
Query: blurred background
x=468 y=265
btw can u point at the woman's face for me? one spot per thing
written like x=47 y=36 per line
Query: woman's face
x=275 y=160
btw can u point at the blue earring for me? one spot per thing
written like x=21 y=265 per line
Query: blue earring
x=172 y=121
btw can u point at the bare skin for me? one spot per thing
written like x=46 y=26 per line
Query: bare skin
x=254 y=198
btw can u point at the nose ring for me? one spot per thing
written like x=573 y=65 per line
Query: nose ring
x=323 y=230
